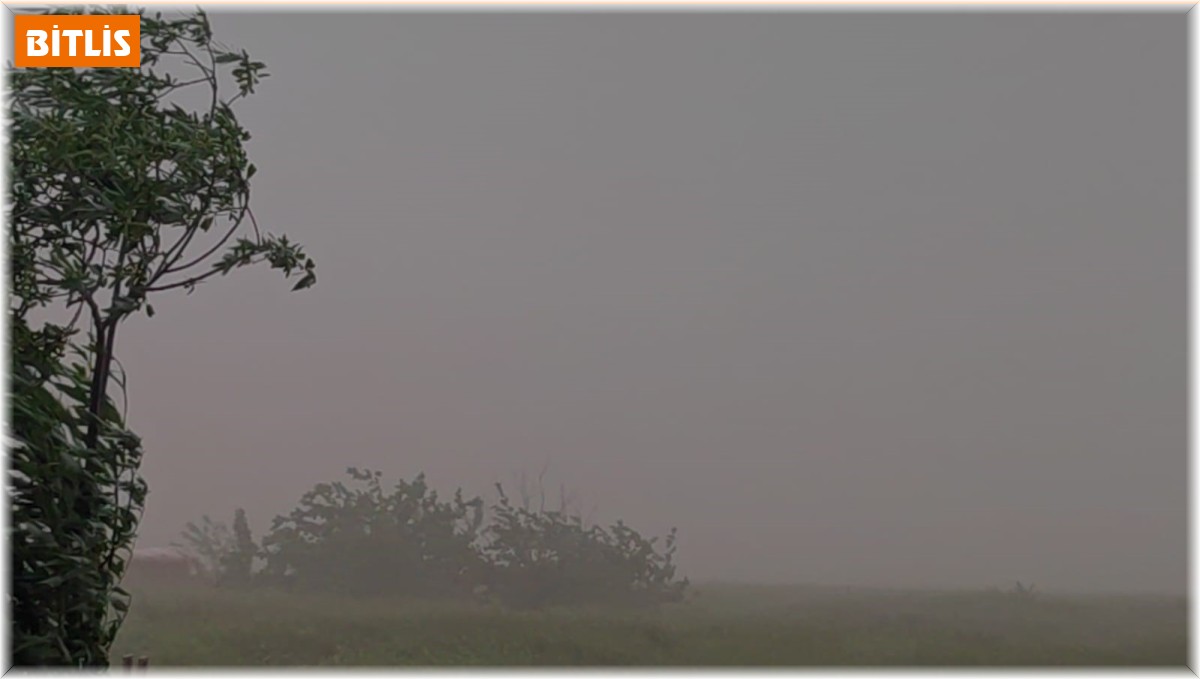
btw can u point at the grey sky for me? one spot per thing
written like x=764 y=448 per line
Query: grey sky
x=849 y=299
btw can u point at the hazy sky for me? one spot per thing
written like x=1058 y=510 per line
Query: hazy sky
x=849 y=299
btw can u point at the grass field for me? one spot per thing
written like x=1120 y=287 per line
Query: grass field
x=722 y=625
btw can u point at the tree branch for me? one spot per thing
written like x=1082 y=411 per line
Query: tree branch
x=179 y=284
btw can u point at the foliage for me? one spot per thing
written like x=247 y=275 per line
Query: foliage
x=118 y=192
x=226 y=555
x=114 y=180
x=237 y=566
x=74 y=507
x=364 y=540
x=210 y=542
x=540 y=557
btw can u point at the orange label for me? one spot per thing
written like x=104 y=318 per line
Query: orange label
x=85 y=40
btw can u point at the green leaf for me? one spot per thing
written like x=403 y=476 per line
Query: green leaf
x=306 y=281
x=130 y=183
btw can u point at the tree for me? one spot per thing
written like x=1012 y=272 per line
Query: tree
x=118 y=193
x=208 y=542
x=74 y=509
x=238 y=565
x=226 y=556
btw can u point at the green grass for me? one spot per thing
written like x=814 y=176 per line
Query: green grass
x=721 y=626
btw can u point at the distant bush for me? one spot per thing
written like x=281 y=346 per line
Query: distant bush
x=538 y=558
x=363 y=540
x=368 y=541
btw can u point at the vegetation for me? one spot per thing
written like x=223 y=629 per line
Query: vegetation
x=75 y=503
x=722 y=625
x=210 y=542
x=363 y=575
x=118 y=193
x=539 y=558
x=364 y=540
x=237 y=563
x=368 y=541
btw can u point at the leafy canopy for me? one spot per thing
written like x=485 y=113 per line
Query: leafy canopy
x=125 y=183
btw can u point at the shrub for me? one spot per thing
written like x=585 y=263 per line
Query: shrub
x=365 y=541
x=538 y=558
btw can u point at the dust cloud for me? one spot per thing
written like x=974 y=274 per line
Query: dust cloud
x=850 y=299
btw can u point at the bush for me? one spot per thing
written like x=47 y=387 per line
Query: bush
x=365 y=541
x=540 y=558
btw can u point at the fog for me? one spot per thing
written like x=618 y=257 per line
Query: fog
x=850 y=299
